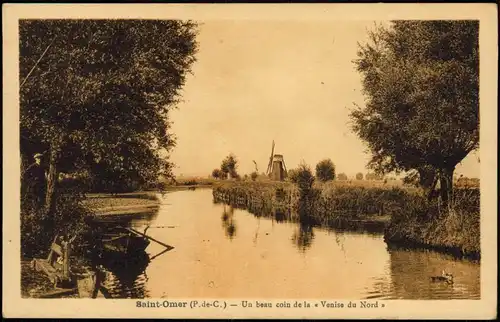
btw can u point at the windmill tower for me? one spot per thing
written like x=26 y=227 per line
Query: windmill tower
x=276 y=169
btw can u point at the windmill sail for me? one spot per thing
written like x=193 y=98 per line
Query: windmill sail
x=270 y=165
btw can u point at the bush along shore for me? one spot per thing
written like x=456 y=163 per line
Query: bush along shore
x=405 y=216
x=454 y=229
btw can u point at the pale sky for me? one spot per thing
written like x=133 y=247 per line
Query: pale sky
x=291 y=82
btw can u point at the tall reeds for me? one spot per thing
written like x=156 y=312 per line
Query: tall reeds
x=325 y=204
x=455 y=228
x=404 y=215
x=260 y=198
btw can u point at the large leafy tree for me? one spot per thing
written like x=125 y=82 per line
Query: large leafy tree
x=99 y=92
x=421 y=84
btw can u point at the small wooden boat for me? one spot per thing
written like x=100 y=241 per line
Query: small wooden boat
x=123 y=241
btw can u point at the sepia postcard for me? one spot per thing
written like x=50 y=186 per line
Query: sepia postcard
x=250 y=161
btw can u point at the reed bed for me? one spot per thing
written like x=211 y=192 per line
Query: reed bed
x=260 y=198
x=358 y=201
x=454 y=229
x=194 y=181
x=327 y=204
x=404 y=214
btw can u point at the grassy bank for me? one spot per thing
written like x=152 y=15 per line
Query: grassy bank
x=186 y=182
x=33 y=283
x=330 y=204
x=455 y=229
x=403 y=214
x=260 y=198
x=122 y=203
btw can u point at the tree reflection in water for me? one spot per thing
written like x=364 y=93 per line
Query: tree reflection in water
x=303 y=236
x=228 y=222
x=280 y=216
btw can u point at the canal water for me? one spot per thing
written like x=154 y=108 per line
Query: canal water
x=220 y=252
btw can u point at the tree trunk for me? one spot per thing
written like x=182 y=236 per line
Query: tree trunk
x=446 y=183
x=428 y=179
x=50 y=194
x=431 y=191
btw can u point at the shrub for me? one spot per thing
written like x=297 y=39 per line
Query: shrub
x=38 y=229
x=190 y=182
x=78 y=183
x=229 y=166
x=428 y=223
x=217 y=174
x=304 y=178
x=359 y=176
x=292 y=175
x=325 y=170
x=342 y=176
x=373 y=176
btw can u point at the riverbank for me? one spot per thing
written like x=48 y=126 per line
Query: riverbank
x=105 y=204
x=404 y=216
x=33 y=283
x=329 y=205
x=455 y=230
x=36 y=284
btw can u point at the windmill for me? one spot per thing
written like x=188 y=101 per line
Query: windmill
x=276 y=168
x=270 y=164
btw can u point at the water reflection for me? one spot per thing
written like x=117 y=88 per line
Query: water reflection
x=126 y=277
x=126 y=220
x=411 y=271
x=276 y=260
x=408 y=276
x=303 y=236
x=280 y=216
x=228 y=222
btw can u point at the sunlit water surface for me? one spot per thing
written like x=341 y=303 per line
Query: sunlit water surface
x=220 y=252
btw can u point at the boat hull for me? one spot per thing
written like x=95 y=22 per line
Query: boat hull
x=125 y=244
